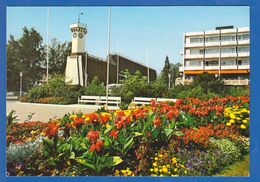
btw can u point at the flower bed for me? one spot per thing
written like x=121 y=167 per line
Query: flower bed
x=186 y=138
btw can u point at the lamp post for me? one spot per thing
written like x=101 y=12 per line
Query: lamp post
x=169 y=84
x=48 y=47
x=21 y=84
x=108 y=51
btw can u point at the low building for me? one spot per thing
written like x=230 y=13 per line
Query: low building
x=82 y=67
x=224 y=52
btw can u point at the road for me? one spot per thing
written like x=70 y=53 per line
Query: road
x=45 y=112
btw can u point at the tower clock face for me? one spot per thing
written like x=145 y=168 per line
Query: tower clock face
x=80 y=35
x=74 y=35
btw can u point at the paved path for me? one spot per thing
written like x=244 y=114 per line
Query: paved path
x=45 y=112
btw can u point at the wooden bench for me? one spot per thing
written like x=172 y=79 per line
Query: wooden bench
x=110 y=100
x=88 y=99
x=142 y=100
x=165 y=100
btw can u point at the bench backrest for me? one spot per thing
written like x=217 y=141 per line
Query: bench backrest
x=166 y=100
x=84 y=97
x=145 y=99
x=110 y=98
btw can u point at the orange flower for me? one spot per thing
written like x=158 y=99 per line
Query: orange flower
x=157 y=122
x=114 y=134
x=93 y=135
x=52 y=129
x=78 y=121
x=96 y=146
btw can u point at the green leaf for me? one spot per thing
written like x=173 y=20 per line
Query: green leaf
x=178 y=133
x=72 y=155
x=168 y=132
x=138 y=134
x=112 y=161
x=129 y=143
x=107 y=142
x=154 y=133
x=85 y=163
x=108 y=130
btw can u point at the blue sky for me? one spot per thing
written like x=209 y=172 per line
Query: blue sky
x=133 y=29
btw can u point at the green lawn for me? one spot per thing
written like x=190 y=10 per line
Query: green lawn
x=240 y=168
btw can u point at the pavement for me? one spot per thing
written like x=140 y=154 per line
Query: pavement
x=45 y=112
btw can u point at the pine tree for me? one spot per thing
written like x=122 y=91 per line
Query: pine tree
x=166 y=70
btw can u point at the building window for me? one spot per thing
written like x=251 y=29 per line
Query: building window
x=242 y=49
x=211 y=63
x=228 y=62
x=196 y=40
x=196 y=51
x=228 y=50
x=212 y=51
x=228 y=38
x=243 y=36
x=212 y=39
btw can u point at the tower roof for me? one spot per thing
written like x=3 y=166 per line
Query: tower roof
x=78 y=25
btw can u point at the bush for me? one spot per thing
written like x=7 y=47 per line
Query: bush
x=197 y=92
x=238 y=91
x=229 y=151
x=243 y=144
x=95 y=88
x=56 y=91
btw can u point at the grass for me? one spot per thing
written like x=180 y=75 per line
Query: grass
x=240 y=168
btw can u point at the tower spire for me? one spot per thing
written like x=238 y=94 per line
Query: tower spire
x=79 y=16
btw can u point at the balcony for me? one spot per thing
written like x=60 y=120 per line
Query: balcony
x=236 y=82
x=243 y=54
x=194 y=44
x=226 y=55
x=231 y=42
x=212 y=43
x=243 y=42
x=193 y=67
x=181 y=69
x=211 y=67
x=193 y=56
x=243 y=67
x=216 y=55
x=228 y=67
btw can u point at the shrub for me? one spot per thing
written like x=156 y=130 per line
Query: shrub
x=51 y=100
x=243 y=144
x=229 y=151
x=197 y=92
x=95 y=88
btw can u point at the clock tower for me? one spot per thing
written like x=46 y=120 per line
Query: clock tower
x=79 y=32
x=74 y=73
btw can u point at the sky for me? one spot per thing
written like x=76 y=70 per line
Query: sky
x=134 y=30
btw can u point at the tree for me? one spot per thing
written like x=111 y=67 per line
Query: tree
x=174 y=71
x=57 y=56
x=166 y=70
x=24 y=55
x=209 y=83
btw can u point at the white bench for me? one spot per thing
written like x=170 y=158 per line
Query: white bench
x=110 y=100
x=166 y=100
x=88 y=99
x=142 y=100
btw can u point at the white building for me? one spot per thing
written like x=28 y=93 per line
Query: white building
x=224 y=52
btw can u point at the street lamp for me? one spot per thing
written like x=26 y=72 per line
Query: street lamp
x=108 y=51
x=21 y=84
x=169 y=84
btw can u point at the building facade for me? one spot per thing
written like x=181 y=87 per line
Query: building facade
x=224 y=52
x=82 y=67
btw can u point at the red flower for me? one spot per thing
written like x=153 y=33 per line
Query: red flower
x=78 y=121
x=104 y=118
x=52 y=129
x=93 y=135
x=114 y=134
x=96 y=146
x=157 y=122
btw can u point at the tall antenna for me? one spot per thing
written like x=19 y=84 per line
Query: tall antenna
x=79 y=16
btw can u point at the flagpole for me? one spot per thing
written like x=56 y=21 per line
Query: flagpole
x=48 y=48
x=108 y=52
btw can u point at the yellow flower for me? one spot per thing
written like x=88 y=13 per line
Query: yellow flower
x=164 y=169
x=185 y=171
x=228 y=124
x=156 y=158
x=108 y=125
x=155 y=164
x=153 y=174
x=33 y=132
x=175 y=170
x=117 y=173
x=242 y=126
x=87 y=119
x=232 y=121
x=68 y=163
x=232 y=116
x=238 y=118
x=156 y=170
x=160 y=155
x=151 y=169
x=244 y=121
